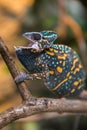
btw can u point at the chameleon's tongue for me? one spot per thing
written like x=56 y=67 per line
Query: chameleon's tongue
x=33 y=46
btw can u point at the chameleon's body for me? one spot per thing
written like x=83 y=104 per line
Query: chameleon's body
x=58 y=65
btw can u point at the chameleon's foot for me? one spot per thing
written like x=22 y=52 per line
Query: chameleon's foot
x=21 y=77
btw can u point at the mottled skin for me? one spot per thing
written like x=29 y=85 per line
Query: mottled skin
x=58 y=65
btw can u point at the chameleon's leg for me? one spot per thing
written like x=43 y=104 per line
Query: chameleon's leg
x=21 y=77
x=26 y=76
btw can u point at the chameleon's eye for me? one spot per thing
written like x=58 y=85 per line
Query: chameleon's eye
x=33 y=36
x=36 y=37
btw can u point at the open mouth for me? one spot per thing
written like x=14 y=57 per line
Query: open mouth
x=33 y=38
x=33 y=46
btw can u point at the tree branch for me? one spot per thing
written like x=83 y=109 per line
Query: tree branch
x=37 y=105
x=32 y=105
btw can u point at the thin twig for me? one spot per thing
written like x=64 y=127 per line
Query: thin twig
x=23 y=90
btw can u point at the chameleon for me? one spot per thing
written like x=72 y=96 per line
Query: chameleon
x=58 y=65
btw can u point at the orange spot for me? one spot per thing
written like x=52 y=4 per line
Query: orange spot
x=76 y=70
x=80 y=66
x=59 y=69
x=51 y=72
x=51 y=49
x=74 y=62
x=70 y=77
x=42 y=65
x=50 y=53
x=56 y=51
x=64 y=63
x=62 y=56
x=68 y=74
x=75 y=83
x=80 y=86
x=73 y=90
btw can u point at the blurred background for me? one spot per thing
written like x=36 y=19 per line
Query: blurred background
x=69 y=19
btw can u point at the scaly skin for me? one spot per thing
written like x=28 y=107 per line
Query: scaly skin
x=58 y=65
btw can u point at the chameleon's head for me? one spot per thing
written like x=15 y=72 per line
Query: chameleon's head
x=38 y=41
